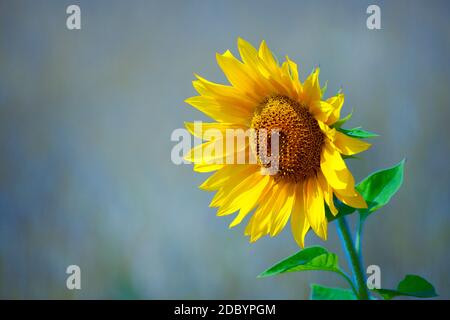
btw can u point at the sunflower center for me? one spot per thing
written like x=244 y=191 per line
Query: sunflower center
x=300 y=137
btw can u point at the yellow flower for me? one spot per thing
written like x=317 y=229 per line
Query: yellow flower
x=265 y=95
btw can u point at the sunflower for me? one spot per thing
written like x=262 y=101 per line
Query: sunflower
x=311 y=170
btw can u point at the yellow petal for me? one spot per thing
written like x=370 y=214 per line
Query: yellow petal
x=250 y=229
x=213 y=109
x=299 y=221
x=294 y=75
x=336 y=102
x=265 y=222
x=249 y=226
x=196 y=154
x=237 y=73
x=266 y=55
x=220 y=148
x=211 y=152
x=260 y=222
x=315 y=210
x=219 y=178
x=348 y=145
x=253 y=195
x=311 y=88
x=282 y=216
x=198 y=129
x=201 y=89
x=249 y=56
x=327 y=192
x=329 y=132
x=287 y=82
x=278 y=78
x=202 y=167
x=227 y=95
x=335 y=170
x=357 y=201
x=321 y=110
x=244 y=195
x=221 y=196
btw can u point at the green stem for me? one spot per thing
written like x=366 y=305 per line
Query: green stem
x=358 y=237
x=350 y=282
x=355 y=262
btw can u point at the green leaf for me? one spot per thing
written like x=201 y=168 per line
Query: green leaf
x=319 y=292
x=410 y=286
x=357 y=133
x=312 y=258
x=378 y=188
x=338 y=124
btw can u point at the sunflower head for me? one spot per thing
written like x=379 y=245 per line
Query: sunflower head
x=265 y=96
x=301 y=139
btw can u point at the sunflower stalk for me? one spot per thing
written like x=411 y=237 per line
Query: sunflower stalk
x=353 y=258
x=358 y=237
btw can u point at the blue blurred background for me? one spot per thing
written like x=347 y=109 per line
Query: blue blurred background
x=85 y=124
